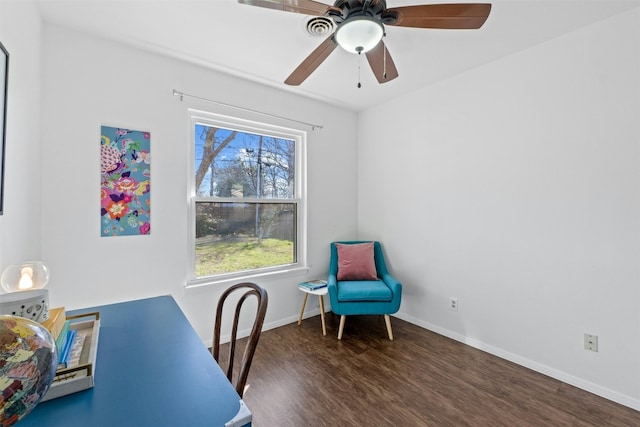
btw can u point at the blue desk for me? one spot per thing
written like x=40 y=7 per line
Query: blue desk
x=151 y=370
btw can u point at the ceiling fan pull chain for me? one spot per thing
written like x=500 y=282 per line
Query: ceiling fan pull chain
x=384 y=58
x=359 y=62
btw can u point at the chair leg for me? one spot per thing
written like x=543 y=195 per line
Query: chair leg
x=342 y=319
x=387 y=320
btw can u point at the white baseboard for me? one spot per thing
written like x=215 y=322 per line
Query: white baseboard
x=527 y=363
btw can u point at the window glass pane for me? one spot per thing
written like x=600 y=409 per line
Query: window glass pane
x=244 y=236
x=231 y=163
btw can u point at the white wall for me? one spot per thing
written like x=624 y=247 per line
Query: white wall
x=89 y=82
x=20 y=34
x=515 y=187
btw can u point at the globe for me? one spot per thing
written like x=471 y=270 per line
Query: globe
x=28 y=362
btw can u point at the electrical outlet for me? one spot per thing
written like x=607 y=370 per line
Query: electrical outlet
x=453 y=304
x=591 y=342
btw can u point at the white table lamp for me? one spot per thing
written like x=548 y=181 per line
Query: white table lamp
x=25 y=296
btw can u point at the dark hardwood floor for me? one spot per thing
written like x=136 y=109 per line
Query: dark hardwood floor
x=301 y=378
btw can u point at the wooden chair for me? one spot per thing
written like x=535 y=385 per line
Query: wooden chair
x=262 y=298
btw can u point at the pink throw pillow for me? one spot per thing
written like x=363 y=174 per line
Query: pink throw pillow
x=356 y=262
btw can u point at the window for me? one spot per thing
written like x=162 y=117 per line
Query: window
x=247 y=198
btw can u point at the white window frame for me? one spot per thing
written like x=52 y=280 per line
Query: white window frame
x=300 y=196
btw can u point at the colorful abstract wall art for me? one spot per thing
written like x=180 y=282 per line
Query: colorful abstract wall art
x=125 y=188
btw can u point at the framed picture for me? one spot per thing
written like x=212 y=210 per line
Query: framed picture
x=125 y=183
x=4 y=82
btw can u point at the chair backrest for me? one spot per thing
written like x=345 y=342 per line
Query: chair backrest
x=261 y=295
x=381 y=266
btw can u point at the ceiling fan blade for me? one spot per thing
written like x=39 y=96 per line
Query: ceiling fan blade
x=308 y=7
x=311 y=62
x=461 y=16
x=381 y=63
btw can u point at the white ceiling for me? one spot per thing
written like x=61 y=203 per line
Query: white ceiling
x=266 y=45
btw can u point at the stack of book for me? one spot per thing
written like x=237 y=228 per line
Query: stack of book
x=77 y=346
x=68 y=341
x=56 y=322
x=313 y=285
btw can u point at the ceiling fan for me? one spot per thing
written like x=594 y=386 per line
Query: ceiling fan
x=360 y=28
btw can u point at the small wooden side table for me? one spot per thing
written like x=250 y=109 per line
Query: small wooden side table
x=321 y=293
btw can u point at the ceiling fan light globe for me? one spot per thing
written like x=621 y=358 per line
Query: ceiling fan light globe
x=359 y=34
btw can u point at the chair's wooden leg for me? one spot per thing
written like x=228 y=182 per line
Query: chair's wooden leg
x=304 y=302
x=387 y=320
x=342 y=319
x=324 y=328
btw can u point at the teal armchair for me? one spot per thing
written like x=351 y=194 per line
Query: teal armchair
x=358 y=297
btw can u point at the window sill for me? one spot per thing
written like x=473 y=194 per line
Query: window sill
x=247 y=277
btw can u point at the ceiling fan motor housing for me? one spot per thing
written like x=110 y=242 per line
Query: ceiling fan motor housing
x=345 y=9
